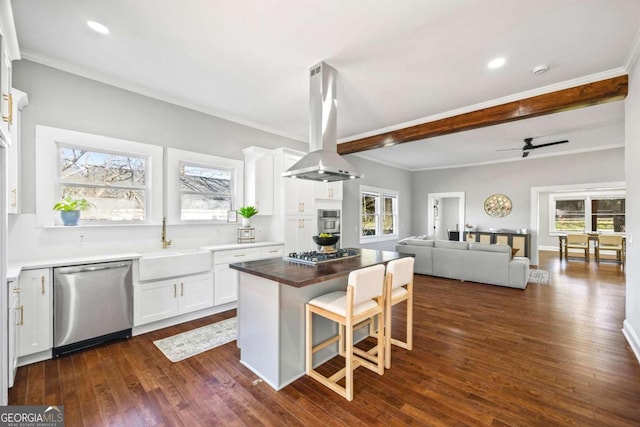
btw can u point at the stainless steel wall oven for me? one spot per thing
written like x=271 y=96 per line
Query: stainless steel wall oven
x=329 y=221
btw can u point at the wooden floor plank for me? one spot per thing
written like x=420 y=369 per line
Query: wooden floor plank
x=483 y=355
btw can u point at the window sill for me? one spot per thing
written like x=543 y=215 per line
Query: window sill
x=376 y=239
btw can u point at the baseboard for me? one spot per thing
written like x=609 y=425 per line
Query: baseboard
x=632 y=338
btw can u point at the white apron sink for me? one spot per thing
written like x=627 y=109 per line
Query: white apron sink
x=172 y=263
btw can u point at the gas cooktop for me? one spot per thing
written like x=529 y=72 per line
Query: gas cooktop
x=316 y=257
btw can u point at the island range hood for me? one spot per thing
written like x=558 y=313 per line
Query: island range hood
x=323 y=163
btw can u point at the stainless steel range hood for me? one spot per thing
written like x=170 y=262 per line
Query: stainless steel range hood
x=323 y=163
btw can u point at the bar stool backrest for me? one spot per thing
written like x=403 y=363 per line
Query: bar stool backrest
x=401 y=271
x=368 y=283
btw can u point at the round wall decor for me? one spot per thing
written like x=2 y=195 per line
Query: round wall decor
x=497 y=205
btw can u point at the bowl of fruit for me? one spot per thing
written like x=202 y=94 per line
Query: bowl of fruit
x=326 y=240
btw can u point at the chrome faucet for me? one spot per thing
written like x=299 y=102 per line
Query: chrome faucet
x=165 y=243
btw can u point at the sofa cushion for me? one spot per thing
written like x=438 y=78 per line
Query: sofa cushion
x=418 y=242
x=446 y=244
x=486 y=247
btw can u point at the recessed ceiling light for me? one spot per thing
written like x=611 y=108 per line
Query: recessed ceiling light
x=98 y=27
x=540 y=69
x=496 y=63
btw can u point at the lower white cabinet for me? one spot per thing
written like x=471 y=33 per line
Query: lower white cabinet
x=36 y=308
x=226 y=279
x=162 y=299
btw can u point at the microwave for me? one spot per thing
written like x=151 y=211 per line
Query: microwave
x=329 y=221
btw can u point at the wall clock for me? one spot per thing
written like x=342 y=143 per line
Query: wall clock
x=497 y=205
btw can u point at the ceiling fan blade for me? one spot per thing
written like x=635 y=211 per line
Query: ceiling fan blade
x=533 y=147
x=509 y=149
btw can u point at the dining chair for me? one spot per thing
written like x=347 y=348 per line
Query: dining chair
x=611 y=243
x=363 y=301
x=577 y=241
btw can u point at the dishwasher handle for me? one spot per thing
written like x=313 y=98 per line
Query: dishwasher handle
x=88 y=268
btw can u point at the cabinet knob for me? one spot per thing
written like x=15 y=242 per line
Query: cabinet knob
x=175 y=290
x=181 y=289
x=42 y=282
x=21 y=316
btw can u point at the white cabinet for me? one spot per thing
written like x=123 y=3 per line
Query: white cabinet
x=5 y=87
x=298 y=233
x=328 y=190
x=162 y=299
x=258 y=180
x=299 y=194
x=15 y=319
x=20 y=101
x=226 y=279
x=36 y=321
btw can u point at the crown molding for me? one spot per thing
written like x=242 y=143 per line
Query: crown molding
x=634 y=53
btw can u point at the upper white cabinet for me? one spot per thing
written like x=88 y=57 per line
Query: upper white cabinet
x=259 y=177
x=9 y=52
x=299 y=194
x=20 y=100
x=329 y=190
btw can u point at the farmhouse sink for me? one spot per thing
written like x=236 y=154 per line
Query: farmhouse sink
x=173 y=262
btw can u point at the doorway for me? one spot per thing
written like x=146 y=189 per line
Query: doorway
x=445 y=214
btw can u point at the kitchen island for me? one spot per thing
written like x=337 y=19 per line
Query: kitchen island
x=272 y=295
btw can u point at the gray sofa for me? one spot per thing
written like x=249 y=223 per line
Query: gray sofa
x=473 y=262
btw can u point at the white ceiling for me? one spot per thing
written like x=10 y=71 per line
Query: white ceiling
x=397 y=62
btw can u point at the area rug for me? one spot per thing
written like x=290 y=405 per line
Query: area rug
x=190 y=343
x=540 y=277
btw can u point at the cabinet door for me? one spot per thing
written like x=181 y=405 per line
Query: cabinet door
x=298 y=234
x=299 y=194
x=36 y=329
x=14 y=329
x=519 y=243
x=155 y=301
x=20 y=100
x=5 y=88
x=226 y=284
x=195 y=293
x=329 y=190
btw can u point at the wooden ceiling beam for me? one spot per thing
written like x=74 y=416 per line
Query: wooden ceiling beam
x=600 y=92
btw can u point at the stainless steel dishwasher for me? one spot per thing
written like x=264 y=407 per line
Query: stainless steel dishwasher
x=92 y=303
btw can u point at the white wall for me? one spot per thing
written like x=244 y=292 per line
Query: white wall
x=515 y=180
x=63 y=100
x=632 y=146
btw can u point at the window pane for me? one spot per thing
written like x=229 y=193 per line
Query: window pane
x=388 y=219
x=111 y=204
x=205 y=180
x=204 y=207
x=570 y=215
x=96 y=168
x=608 y=215
x=369 y=225
x=369 y=204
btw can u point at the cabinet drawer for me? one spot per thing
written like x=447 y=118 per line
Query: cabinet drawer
x=236 y=255
x=272 y=251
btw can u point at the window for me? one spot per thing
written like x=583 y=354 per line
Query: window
x=115 y=183
x=205 y=192
x=600 y=211
x=122 y=178
x=202 y=188
x=379 y=214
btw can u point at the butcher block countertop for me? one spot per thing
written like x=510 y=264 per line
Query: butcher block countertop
x=301 y=275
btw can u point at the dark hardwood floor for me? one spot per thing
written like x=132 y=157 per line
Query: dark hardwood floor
x=484 y=355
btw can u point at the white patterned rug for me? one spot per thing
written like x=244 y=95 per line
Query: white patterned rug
x=540 y=277
x=190 y=343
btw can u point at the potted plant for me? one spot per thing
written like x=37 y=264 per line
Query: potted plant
x=247 y=212
x=70 y=209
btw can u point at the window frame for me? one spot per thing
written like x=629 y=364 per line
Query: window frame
x=173 y=192
x=380 y=194
x=47 y=171
x=587 y=196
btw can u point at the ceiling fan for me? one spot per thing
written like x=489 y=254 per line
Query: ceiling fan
x=528 y=146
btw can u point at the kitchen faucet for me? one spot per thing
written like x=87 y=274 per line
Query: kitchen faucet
x=165 y=243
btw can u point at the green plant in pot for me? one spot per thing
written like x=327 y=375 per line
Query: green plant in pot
x=70 y=209
x=247 y=212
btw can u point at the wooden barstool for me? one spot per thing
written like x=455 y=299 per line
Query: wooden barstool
x=363 y=301
x=399 y=288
